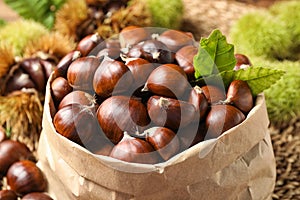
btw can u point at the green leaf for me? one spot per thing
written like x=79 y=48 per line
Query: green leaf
x=214 y=56
x=42 y=11
x=2 y=22
x=258 y=78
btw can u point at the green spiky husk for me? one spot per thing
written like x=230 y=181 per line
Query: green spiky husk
x=166 y=13
x=260 y=34
x=18 y=33
x=21 y=114
x=282 y=98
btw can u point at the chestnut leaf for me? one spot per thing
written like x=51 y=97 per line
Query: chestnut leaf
x=214 y=56
x=258 y=78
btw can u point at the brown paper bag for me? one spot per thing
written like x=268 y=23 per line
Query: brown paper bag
x=240 y=164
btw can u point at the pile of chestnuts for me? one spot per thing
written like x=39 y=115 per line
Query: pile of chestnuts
x=134 y=97
x=22 y=176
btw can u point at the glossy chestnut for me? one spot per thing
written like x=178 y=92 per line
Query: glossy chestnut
x=214 y=94
x=12 y=151
x=77 y=97
x=76 y=122
x=60 y=88
x=81 y=71
x=64 y=63
x=121 y=113
x=222 y=118
x=175 y=39
x=239 y=94
x=242 y=61
x=132 y=35
x=88 y=43
x=24 y=177
x=170 y=113
x=112 y=77
x=198 y=99
x=167 y=80
x=185 y=59
x=131 y=149
x=19 y=80
x=163 y=140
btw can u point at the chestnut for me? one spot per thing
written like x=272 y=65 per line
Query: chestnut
x=112 y=77
x=121 y=113
x=185 y=59
x=81 y=71
x=12 y=151
x=198 y=99
x=77 y=97
x=2 y=134
x=191 y=135
x=131 y=35
x=48 y=67
x=242 y=61
x=24 y=177
x=175 y=39
x=131 y=149
x=214 y=94
x=156 y=52
x=64 y=63
x=239 y=94
x=8 y=195
x=88 y=43
x=170 y=113
x=19 y=80
x=34 y=69
x=112 y=52
x=167 y=80
x=140 y=69
x=76 y=122
x=60 y=88
x=222 y=118
x=163 y=140
x=36 y=196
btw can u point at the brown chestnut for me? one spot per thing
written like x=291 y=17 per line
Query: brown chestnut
x=112 y=77
x=60 y=88
x=36 y=196
x=12 y=151
x=185 y=59
x=242 y=61
x=121 y=113
x=8 y=195
x=170 y=113
x=64 y=63
x=140 y=69
x=19 y=80
x=131 y=35
x=239 y=94
x=175 y=39
x=214 y=94
x=77 y=97
x=24 y=177
x=191 y=135
x=167 y=80
x=222 y=118
x=76 y=122
x=81 y=71
x=156 y=52
x=131 y=149
x=34 y=69
x=164 y=141
x=88 y=43
x=198 y=99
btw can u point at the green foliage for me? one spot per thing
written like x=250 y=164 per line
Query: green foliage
x=18 y=33
x=215 y=55
x=282 y=98
x=166 y=13
x=42 y=11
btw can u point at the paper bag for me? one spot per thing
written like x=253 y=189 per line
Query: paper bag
x=240 y=164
